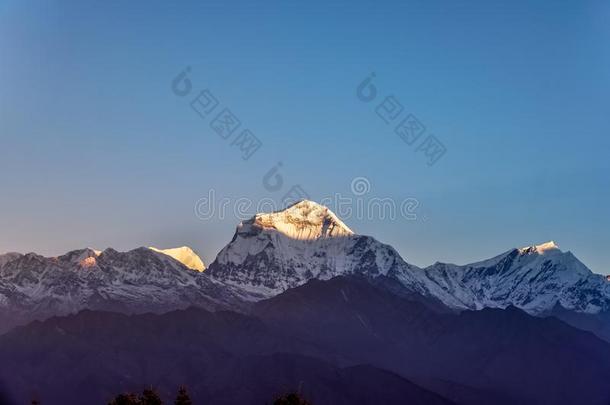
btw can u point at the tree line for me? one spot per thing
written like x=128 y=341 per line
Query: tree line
x=150 y=397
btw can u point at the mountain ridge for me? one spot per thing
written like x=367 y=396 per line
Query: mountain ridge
x=140 y=280
x=264 y=260
x=273 y=252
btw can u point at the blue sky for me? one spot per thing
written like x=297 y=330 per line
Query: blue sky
x=96 y=149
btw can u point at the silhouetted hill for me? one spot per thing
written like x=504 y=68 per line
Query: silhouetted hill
x=224 y=358
x=506 y=352
x=342 y=341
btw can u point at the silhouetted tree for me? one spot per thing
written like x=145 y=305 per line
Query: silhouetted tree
x=125 y=399
x=183 y=397
x=150 y=397
x=291 y=399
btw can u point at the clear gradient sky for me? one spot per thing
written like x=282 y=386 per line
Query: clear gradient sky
x=96 y=150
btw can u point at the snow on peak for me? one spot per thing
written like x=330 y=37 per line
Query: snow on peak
x=88 y=262
x=304 y=220
x=184 y=255
x=544 y=248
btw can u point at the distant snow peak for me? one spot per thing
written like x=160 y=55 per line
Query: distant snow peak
x=544 y=248
x=184 y=255
x=140 y=280
x=304 y=220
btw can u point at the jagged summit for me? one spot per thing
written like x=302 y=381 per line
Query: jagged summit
x=139 y=280
x=544 y=248
x=534 y=278
x=184 y=255
x=273 y=252
x=304 y=220
x=77 y=256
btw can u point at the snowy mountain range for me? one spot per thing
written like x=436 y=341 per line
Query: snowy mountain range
x=271 y=253
x=141 y=280
x=535 y=279
x=274 y=252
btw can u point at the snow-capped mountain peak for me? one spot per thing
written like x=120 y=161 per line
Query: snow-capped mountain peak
x=542 y=249
x=534 y=278
x=184 y=255
x=304 y=220
x=273 y=252
x=139 y=280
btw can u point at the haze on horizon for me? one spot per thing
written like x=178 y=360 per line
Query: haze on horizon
x=97 y=150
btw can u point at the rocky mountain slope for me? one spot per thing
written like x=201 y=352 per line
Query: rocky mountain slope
x=536 y=279
x=141 y=280
x=271 y=253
